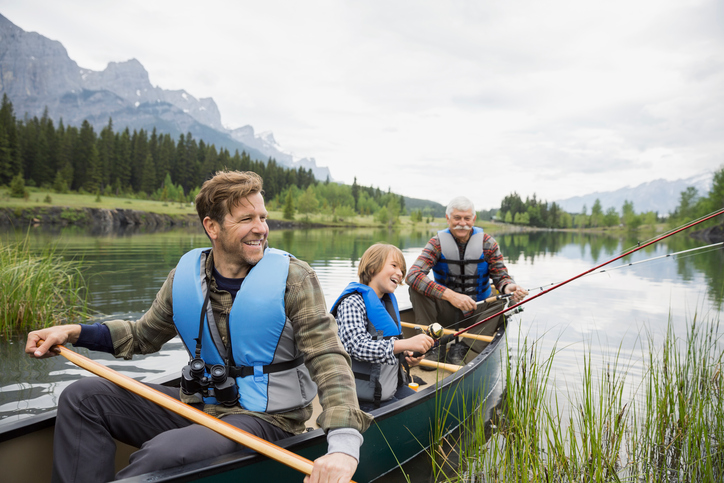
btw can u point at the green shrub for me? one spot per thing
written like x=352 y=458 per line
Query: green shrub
x=38 y=290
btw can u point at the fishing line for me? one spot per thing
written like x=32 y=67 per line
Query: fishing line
x=676 y=229
x=637 y=248
x=626 y=265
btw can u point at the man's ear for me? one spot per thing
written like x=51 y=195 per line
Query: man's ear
x=211 y=227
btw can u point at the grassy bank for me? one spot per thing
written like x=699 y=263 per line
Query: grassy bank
x=40 y=198
x=671 y=429
x=38 y=290
x=44 y=198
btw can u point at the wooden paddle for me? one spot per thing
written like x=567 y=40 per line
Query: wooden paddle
x=192 y=414
x=441 y=365
x=484 y=338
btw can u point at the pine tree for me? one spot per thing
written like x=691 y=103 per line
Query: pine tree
x=5 y=155
x=166 y=151
x=106 y=153
x=7 y=120
x=85 y=160
x=148 y=177
x=139 y=143
x=17 y=187
x=121 y=173
x=355 y=193
x=289 y=206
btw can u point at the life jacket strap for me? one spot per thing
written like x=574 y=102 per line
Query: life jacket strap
x=245 y=371
x=377 y=397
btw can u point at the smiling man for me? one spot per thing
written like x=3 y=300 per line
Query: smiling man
x=266 y=343
x=463 y=259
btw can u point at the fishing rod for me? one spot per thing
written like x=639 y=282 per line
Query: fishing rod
x=625 y=265
x=560 y=284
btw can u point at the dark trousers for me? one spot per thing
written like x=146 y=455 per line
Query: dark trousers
x=93 y=411
x=429 y=310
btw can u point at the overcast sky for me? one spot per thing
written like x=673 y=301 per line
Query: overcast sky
x=436 y=99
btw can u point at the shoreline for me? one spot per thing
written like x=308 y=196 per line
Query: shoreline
x=111 y=218
x=61 y=216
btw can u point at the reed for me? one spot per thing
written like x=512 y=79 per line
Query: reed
x=670 y=428
x=38 y=289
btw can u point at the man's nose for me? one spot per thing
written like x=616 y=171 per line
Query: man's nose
x=259 y=226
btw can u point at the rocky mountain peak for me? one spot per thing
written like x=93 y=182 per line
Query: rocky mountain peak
x=36 y=73
x=128 y=80
x=33 y=65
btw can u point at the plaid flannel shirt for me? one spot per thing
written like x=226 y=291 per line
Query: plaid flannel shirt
x=315 y=335
x=352 y=329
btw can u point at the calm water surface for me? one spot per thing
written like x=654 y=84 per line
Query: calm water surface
x=606 y=312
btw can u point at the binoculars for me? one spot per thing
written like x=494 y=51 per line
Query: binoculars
x=194 y=379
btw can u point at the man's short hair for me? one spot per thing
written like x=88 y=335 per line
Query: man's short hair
x=222 y=193
x=374 y=259
x=460 y=203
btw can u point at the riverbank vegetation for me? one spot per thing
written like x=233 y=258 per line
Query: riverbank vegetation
x=38 y=289
x=670 y=428
x=533 y=212
x=127 y=167
x=143 y=165
x=693 y=205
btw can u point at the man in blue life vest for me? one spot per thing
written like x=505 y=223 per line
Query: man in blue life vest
x=464 y=260
x=261 y=340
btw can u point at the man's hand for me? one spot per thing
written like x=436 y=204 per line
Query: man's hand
x=519 y=293
x=332 y=468
x=58 y=335
x=462 y=302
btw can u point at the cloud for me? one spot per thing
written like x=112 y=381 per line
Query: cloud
x=434 y=99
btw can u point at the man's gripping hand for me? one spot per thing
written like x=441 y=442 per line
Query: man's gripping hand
x=52 y=336
x=461 y=301
x=332 y=468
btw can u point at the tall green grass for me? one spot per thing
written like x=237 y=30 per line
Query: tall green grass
x=38 y=289
x=670 y=428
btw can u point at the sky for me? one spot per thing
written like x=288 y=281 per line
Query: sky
x=435 y=99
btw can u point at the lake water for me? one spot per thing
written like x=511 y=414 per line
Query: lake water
x=605 y=312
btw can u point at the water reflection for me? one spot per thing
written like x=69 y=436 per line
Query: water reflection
x=125 y=269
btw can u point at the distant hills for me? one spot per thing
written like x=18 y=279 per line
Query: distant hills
x=36 y=73
x=658 y=195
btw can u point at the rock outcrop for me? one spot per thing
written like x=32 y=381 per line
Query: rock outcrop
x=56 y=215
x=712 y=234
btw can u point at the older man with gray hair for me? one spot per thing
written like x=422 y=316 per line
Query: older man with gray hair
x=463 y=259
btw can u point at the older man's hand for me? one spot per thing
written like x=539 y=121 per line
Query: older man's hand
x=519 y=293
x=461 y=301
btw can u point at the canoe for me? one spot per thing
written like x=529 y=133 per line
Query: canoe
x=402 y=431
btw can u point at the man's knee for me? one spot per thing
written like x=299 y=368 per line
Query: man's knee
x=83 y=388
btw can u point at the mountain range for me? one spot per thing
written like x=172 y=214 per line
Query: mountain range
x=659 y=195
x=36 y=73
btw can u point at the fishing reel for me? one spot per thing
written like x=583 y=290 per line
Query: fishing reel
x=194 y=379
x=434 y=330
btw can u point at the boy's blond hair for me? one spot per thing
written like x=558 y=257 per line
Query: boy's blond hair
x=374 y=259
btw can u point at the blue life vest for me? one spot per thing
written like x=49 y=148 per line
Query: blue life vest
x=377 y=314
x=376 y=382
x=264 y=359
x=469 y=276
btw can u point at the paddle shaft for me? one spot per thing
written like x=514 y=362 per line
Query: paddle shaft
x=255 y=443
x=655 y=240
x=484 y=338
x=440 y=365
